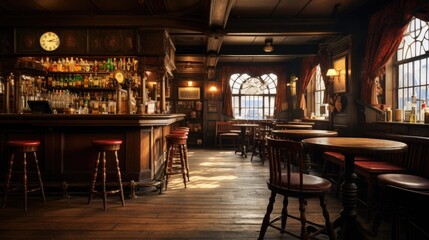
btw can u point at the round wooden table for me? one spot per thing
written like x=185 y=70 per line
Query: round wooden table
x=293 y=126
x=350 y=146
x=243 y=129
x=299 y=134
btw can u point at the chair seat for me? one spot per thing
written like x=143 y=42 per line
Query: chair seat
x=339 y=158
x=310 y=182
x=378 y=167
x=107 y=142
x=230 y=134
x=407 y=181
x=23 y=143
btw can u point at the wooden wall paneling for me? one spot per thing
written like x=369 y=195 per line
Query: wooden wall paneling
x=27 y=41
x=73 y=41
x=157 y=146
x=112 y=41
x=6 y=42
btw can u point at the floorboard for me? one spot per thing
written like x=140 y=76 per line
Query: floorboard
x=226 y=198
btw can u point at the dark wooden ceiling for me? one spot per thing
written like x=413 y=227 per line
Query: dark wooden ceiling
x=207 y=32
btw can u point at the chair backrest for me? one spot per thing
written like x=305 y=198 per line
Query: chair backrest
x=283 y=155
x=223 y=127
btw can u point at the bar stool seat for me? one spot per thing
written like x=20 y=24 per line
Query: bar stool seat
x=399 y=192
x=23 y=146
x=176 y=156
x=103 y=146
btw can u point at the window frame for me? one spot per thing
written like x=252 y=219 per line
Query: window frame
x=246 y=104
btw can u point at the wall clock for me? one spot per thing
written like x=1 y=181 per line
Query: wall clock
x=49 y=41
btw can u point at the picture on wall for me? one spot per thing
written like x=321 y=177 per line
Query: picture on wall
x=340 y=81
x=189 y=93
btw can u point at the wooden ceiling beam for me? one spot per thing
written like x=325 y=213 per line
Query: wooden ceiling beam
x=273 y=27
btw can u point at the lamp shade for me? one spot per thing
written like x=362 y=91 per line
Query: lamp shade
x=331 y=72
x=268 y=45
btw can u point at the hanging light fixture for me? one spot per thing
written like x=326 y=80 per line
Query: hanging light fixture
x=268 y=45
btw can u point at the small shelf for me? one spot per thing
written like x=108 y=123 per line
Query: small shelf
x=73 y=89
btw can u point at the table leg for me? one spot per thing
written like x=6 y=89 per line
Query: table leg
x=243 y=142
x=350 y=227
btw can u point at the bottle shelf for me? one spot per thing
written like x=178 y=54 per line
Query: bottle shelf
x=78 y=89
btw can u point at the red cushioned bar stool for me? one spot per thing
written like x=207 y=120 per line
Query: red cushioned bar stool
x=23 y=146
x=176 y=143
x=103 y=146
x=389 y=181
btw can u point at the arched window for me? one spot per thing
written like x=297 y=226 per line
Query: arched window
x=319 y=92
x=253 y=96
x=412 y=60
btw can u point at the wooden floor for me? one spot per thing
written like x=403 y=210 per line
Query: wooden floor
x=226 y=198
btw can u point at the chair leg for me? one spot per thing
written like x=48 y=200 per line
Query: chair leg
x=284 y=212
x=7 y=184
x=94 y=179
x=266 y=221
x=118 y=169
x=40 y=177
x=25 y=182
x=304 y=233
x=328 y=224
x=104 y=181
x=182 y=163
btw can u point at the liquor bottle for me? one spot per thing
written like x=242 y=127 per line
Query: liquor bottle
x=96 y=81
x=71 y=81
x=108 y=65
x=120 y=64
x=115 y=66
x=85 y=82
x=50 y=80
x=91 y=81
x=129 y=64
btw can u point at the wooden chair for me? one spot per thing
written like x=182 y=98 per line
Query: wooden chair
x=285 y=182
x=224 y=131
x=259 y=143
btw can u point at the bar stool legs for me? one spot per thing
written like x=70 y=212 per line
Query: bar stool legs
x=24 y=147
x=103 y=146
x=176 y=157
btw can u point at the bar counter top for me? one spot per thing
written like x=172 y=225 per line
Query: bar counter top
x=93 y=119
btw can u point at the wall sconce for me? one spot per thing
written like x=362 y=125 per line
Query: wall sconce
x=331 y=74
x=190 y=84
x=213 y=90
x=292 y=84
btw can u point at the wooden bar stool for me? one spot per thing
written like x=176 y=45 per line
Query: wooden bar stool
x=185 y=155
x=23 y=146
x=103 y=146
x=176 y=143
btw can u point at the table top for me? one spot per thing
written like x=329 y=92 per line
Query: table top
x=301 y=123
x=245 y=125
x=303 y=133
x=354 y=145
x=295 y=126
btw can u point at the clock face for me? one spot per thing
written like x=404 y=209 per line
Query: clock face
x=49 y=41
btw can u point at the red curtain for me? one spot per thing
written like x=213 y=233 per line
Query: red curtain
x=227 y=71
x=385 y=32
x=308 y=67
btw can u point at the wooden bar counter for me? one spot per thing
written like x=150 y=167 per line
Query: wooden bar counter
x=66 y=153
